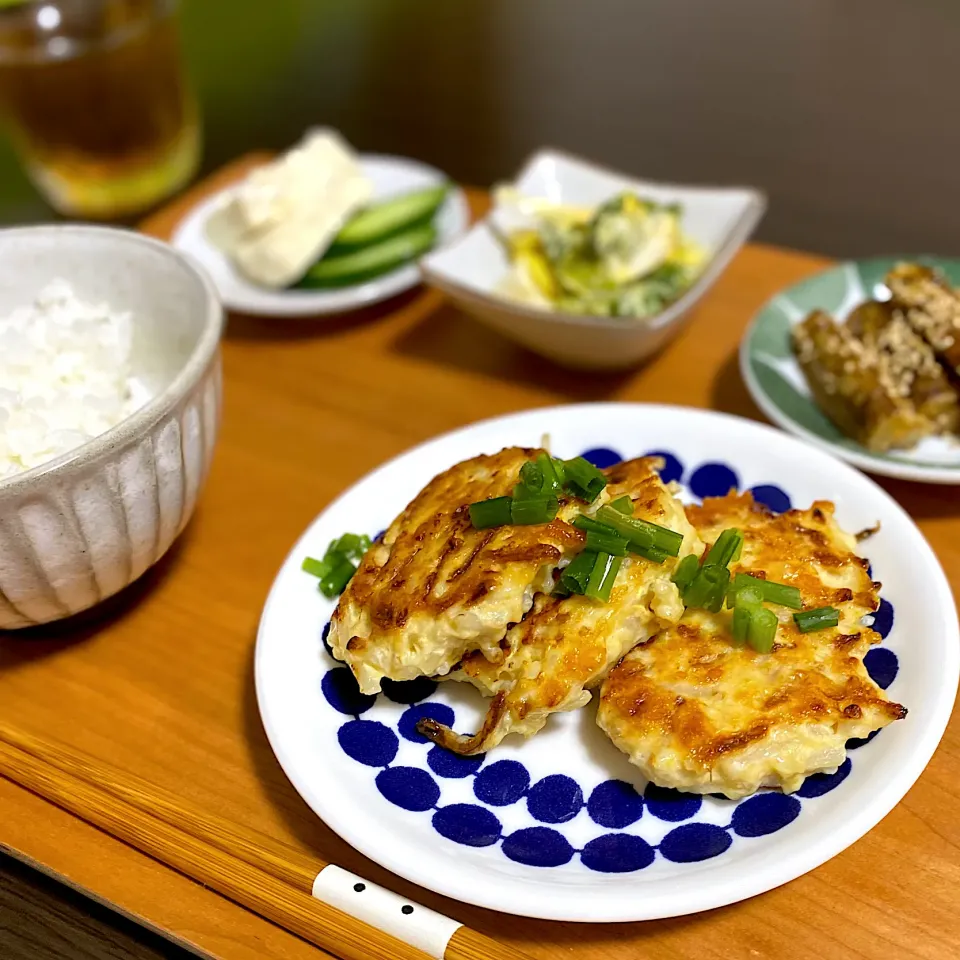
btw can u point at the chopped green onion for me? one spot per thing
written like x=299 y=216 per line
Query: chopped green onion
x=808 y=621
x=334 y=582
x=583 y=479
x=552 y=473
x=727 y=548
x=686 y=570
x=771 y=591
x=653 y=554
x=531 y=476
x=316 y=568
x=351 y=545
x=583 y=522
x=742 y=618
x=763 y=629
x=606 y=542
x=708 y=588
x=559 y=591
x=641 y=532
x=490 y=513
x=576 y=575
x=604 y=573
x=623 y=504
x=744 y=597
x=526 y=512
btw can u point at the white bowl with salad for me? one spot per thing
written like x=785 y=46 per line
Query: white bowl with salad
x=321 y=230
x=592 y=268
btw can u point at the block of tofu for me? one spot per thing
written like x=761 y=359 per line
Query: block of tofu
x=564 y=647
x=931 y=306
x=697 y=713
x=434 y=588
x=854 y=386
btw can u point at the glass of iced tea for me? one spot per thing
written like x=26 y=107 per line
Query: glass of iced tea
x=94 y=95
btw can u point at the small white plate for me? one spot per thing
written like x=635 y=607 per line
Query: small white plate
x=472 y=271
x=561 y=826
x=390 y=176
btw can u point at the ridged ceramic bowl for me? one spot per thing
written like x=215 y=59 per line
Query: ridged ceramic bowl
x=80 y=528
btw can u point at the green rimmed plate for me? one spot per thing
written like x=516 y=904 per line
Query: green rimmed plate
x=778 y=386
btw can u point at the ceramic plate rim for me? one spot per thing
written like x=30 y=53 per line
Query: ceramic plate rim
x=315 y=304
x=821 y=849
x=861 y=457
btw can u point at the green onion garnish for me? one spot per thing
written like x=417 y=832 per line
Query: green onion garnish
x=686 y=570
x=771 y=591
x=605 y=569
x=808 y=621
x=641 y=532
x=763 y=629
x=526 y=512
x=653 y=554
x=491 y=513
x=551 y=472
x=583 y=479
x=708 y=588
x=583 y=522
x=727 y=548
x=606 y=542
x=742 y=617
x=623 y=504
x=576 y=575
x=337 y=567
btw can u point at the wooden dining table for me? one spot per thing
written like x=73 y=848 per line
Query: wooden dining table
x=159 y=681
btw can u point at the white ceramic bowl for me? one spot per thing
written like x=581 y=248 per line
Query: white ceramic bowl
x=471 y=271
x=81 y=527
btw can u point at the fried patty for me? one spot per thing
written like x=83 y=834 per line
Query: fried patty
x=697 y=713
x=434 y=588
x=563 y=647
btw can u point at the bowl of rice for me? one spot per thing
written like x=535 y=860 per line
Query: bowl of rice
x=109 y=412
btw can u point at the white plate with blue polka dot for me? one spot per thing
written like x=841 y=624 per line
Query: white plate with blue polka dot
x=561 y=826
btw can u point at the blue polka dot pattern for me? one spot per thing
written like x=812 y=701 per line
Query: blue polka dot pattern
x=694 y=841
x=772 y=497
x=468 y=824
x=672 y=471
x=602 y=457
x=671 y=805
x=538 y=847
x=882 y=665
x=446 y=764
x=856 y=742
x=369 y=742
x=409 y=691
x=613 y=805
x=883 y=619
x=409 y=787
x=555 y=799
x=413 y=715
x=617 y=853
x=764 y=813
x=342 y=693
x=713 y=480
x=323 y=637
x=821 y=783
x=501 y=783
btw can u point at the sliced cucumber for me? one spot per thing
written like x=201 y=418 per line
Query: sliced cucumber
x=372 y=261
x=388 y=217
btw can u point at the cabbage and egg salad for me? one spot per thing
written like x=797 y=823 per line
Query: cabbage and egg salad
x=628 y=257
x=65 y=376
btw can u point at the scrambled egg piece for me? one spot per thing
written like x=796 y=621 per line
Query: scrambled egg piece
x=697 y=713
x=549 y=661
x=434 y=588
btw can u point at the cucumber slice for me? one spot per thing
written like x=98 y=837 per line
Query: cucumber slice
x=372 y=261
x=388 y=217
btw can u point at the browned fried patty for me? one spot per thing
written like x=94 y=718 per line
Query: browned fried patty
x=564 y=646
x=695 y=712
x=435 y=588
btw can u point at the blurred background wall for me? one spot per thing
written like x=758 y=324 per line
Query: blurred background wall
x=843 y=110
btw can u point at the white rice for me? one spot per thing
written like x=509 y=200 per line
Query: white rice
x=65 y=377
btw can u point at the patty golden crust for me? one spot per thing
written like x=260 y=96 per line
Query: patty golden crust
x=435 y=588
x=697 y=713
x=563 y=647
